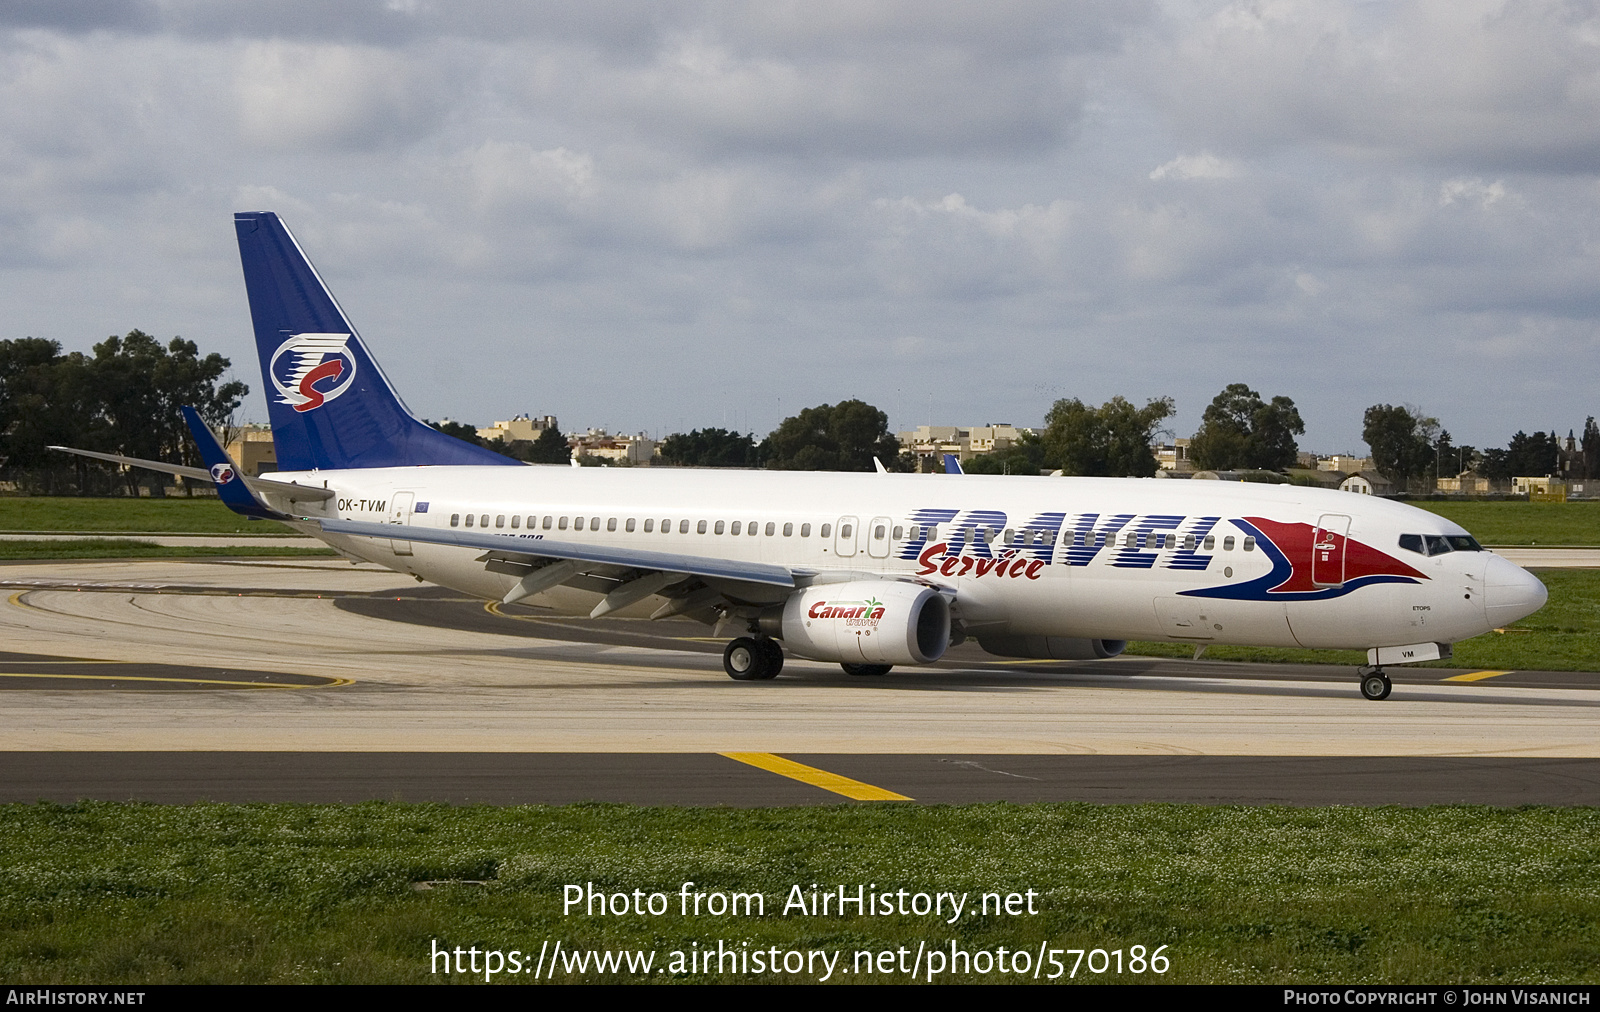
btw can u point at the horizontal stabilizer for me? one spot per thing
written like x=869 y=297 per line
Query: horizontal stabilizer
x=294 y=493
x=689 y=565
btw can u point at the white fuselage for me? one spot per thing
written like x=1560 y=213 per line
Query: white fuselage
x=1114 y=559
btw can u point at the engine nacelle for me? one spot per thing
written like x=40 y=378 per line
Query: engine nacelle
x=868 y=622
x=1052 y=648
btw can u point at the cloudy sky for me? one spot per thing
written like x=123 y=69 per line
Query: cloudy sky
x=665 y=216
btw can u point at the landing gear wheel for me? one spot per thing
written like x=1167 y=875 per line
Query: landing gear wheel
x=1375 y=685
x=866 y=669
x=773 y=655
x=745 y=660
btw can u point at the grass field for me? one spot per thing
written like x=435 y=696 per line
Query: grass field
x=66 y=515
x=1524 y=523
x=128 y=548
x=296 y=893
x=1562 y=636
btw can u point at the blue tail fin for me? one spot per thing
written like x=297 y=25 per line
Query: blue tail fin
x=330 y=404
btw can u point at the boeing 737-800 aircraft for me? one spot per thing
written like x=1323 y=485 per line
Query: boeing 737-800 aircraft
x=866 y=570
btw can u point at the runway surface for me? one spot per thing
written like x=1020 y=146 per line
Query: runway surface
x=318 y=680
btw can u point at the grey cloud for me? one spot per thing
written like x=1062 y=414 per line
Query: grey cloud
x=1499 y=86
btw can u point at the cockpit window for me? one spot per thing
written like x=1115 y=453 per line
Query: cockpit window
x=1439 y=544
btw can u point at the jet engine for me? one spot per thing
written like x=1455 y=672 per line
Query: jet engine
x=1055 y=648
x=867 y=622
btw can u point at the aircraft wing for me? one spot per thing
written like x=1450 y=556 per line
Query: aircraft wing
x=295 y=493
x=568 y=551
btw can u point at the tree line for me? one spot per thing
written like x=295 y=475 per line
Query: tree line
x=122 y=397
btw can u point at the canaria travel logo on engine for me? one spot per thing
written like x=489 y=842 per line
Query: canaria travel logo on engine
x=856 y=614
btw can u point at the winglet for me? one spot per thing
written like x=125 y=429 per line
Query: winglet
x=225 y=474
x=952 y=464
x=879 y=465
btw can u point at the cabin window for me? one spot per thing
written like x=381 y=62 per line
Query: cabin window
x=500 y=520
x=988 y=534
x=898 y=531
x=700 y=528
x=877 y=532
x=1188 y=542
x=718 y=528
x=683 y=526
x=649 y=525
x=1249 y=543
x=483 y=520
x=1227 y=543
x=547 y=522
x=516 y=521
x=753 y=528
x=577 y=523
x=772 y=529
x=611 y=523
x=594 y=523
x=562 y=523
x=630 y=525
x=827 y=531
x=470 y=519
x=788 y=530
x=1011 y=537
x=805 y=530
x=735 y=528
x=1210 y=542
x=666 y=527
x=455 y=520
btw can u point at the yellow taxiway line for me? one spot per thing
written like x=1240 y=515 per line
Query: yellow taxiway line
x=331 y=683
x=1474 y=676
x=853 y=789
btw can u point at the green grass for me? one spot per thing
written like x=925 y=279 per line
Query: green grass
x=1562 y=636
x=1514 y=522
x=67 y=514
x=125 y=548
x=114 y=893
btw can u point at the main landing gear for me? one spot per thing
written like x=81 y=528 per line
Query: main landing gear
x=1374 y=683
x=752 y=659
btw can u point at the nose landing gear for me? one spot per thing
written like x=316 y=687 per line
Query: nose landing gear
x=1374 y=683
x=752 y=659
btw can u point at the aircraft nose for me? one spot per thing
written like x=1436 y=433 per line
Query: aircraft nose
x=1510 y=592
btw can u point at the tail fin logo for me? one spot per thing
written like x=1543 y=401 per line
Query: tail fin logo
x=222 y=473
x=310 y=370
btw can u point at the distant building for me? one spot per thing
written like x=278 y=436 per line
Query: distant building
x=1367 y=483
x=1466 y=483
x=1546 y=487
x=1173 y=457
x=1349 y=463
x=638 y=449
x=522 y=427
x=250 y=445
x=932 y=442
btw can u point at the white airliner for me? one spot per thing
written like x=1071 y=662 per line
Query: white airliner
x=866 y=570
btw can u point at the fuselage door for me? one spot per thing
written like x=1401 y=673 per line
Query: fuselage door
x=844 y=537
x=400 y=513
x=1327 y=550
x=878 y=537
